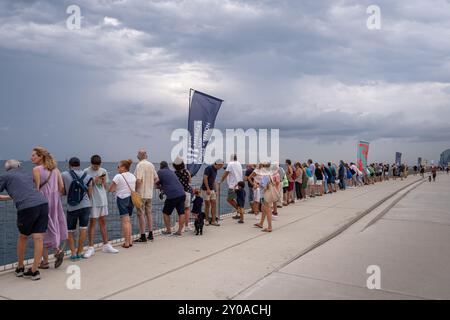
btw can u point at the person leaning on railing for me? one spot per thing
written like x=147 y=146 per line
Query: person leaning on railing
x=32 y=214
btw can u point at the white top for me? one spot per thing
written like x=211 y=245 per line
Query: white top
x=122 y=190
x=145 y=171
x=235 y=174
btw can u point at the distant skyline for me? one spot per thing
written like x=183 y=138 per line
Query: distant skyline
x=309 y=68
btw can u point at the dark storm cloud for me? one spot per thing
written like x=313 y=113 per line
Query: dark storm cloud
x=309 y=68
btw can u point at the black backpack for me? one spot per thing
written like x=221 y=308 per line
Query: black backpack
x=77 y=189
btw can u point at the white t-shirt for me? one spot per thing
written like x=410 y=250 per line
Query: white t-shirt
x=122 y=190
x=235 y=174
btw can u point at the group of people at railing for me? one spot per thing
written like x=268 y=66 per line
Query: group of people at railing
x=40 y=213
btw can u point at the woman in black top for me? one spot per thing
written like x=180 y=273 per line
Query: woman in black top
x=185 y=178
x=319 y=179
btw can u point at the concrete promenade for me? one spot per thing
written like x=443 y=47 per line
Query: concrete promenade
x=315 y=251
x=408 y=238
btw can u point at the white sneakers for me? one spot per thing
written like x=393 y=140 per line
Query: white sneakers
x=108 y=248
x=89 y=253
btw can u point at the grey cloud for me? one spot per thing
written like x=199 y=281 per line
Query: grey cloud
x=310 y=68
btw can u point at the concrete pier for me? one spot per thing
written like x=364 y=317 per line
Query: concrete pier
x=319 y=249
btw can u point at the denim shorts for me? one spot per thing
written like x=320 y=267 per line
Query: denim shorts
x=250 y=195
x=78 y=217
x=125 y=206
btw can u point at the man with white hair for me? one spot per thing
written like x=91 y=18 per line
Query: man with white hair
x=32 y=214
x=146 y=178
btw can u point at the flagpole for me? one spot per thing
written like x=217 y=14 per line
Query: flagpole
x=190 y=97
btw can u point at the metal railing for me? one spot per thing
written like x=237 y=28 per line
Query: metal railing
x=9 y=232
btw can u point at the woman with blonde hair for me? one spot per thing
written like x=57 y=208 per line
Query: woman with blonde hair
x=48 y=181
x=263 y=177
x=124 y=183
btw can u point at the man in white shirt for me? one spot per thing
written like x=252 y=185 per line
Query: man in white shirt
x=233 y=174
x=146 y=178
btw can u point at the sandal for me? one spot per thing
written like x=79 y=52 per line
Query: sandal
x=267 y=230
x=44 y=266
x=258 y=225
x=126 y=247
x=59 y=259
x=166 y=232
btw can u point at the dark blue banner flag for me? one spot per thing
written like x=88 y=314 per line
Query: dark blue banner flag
x=203 y=111
x=398 y=158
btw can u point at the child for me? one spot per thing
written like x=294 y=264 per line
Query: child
x=199 y=216
x=240 y=199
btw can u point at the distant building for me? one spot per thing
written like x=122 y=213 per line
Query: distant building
x=445 y=158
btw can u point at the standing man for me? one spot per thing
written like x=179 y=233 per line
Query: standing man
x=312 y=169
x=233 y=174
x=209 y=191
x=78 y=188
x=434 y=172
x=32 y=215
x=342 y=175
x=175 y=197
x=248 y=172
x=146 y=178
x=99 y=202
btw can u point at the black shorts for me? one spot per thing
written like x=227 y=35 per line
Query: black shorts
x=78 y=217
x=175 y=203
x=33 y=220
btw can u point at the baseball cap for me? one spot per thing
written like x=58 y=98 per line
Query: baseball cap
x=74 y=162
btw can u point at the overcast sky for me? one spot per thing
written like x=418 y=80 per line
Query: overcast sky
x=310 y=68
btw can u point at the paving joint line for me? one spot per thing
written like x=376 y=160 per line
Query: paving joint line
x=390 y=206
x=416 y=221
x=329 y=237
x=354 y=285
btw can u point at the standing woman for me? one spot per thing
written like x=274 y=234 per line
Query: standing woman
x=48 y=181
x=123 y=184
x=298 y=180
x=330 y=178
x=304 y=182
x=310 y=189
x=275 y=174
x=290 y=174
x=185 y=178
x=319 y=179
x=261 y=177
